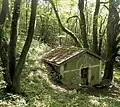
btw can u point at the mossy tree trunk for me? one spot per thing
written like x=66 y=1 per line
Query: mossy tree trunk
x=95 y=27
x=83 y=23
x=113 y=29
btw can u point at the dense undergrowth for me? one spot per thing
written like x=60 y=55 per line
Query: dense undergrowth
x=40 y=92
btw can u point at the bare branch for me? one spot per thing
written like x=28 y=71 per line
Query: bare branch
x=106 y=7
x=75 y=16
x=104 y=2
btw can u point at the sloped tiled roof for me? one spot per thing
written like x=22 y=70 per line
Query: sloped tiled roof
x=62 y=54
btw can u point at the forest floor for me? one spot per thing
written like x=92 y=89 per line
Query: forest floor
x=40 y=92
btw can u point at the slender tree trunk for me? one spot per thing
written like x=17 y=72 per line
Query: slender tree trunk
x=95 y=27
x=4 y=12
x=3 y=43
x=101 y=41
x=83 y=23
x=13 y=38
x=27 y=9
x=4 y=59
x=101 y=35
x=16 y=78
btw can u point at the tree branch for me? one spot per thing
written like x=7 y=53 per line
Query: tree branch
x=106 y=7
x=75 y=16
x=104 y=2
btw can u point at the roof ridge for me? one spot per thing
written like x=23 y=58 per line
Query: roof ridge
x=60 y=55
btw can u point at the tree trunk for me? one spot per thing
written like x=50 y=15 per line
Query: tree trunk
x=13 y=72
x=4 y=12
x=83 y=23
x=16 y=78
x=109 y=70
x=95 y=28
x=16 y=85
x=4 y=59
x=101 y=35
x=113 y=22
x=3 y=43
x=13 y=38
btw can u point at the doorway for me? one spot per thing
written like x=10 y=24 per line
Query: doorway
x=84 y=76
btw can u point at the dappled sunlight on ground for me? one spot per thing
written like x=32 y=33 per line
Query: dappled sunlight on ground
x=10 y=100
x=45 y=77
x=41 y=92
x=47 y=94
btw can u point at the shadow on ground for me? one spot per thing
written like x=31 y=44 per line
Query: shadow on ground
x=113 y=91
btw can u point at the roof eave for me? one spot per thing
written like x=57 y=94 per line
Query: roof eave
x=47 y=61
